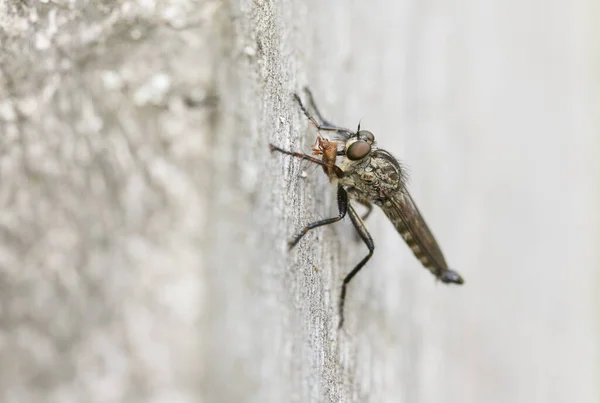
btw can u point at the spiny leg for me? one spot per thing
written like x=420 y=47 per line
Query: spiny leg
x=323 y=125
x=337 y=170
x=313 y=105
x=369 y=208
x=364 y=217
x=342 y=198
x=360 y=198
x=366 y=237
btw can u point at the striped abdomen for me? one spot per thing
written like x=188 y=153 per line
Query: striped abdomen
x=411 y=226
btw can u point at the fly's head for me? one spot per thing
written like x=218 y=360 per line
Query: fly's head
x=360 y=145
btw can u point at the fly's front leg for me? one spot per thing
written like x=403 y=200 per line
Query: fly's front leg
x=342 y=199
x=313 y=105
x=320 y=124
x=366 y=237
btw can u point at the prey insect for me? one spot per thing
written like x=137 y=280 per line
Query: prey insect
x=368 y=175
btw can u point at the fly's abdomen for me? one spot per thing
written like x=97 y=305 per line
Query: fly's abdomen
x=413 y=229
x=414 y=246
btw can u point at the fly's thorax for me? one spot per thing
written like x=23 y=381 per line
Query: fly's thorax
x=388 y=170
x=351 y=166
x=354 y=171
x=378 y=170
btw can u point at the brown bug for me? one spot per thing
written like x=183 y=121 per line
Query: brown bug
x=328 y=151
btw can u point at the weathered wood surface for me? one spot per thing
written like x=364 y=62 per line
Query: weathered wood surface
x=143 y=222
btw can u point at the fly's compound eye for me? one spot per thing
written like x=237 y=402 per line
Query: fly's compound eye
x=366 y=136
x=358 y=150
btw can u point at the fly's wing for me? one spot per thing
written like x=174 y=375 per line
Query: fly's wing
x=400 y=208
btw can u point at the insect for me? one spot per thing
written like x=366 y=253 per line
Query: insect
x=369 y=175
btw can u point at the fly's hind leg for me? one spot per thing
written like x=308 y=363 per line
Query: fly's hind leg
x=360 y=198
x=366 y=237
x=369 y=208
x=354 y=195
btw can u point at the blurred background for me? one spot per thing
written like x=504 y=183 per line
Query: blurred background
x=143 y=221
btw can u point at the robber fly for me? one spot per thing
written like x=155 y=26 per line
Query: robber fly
x=369 y=175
